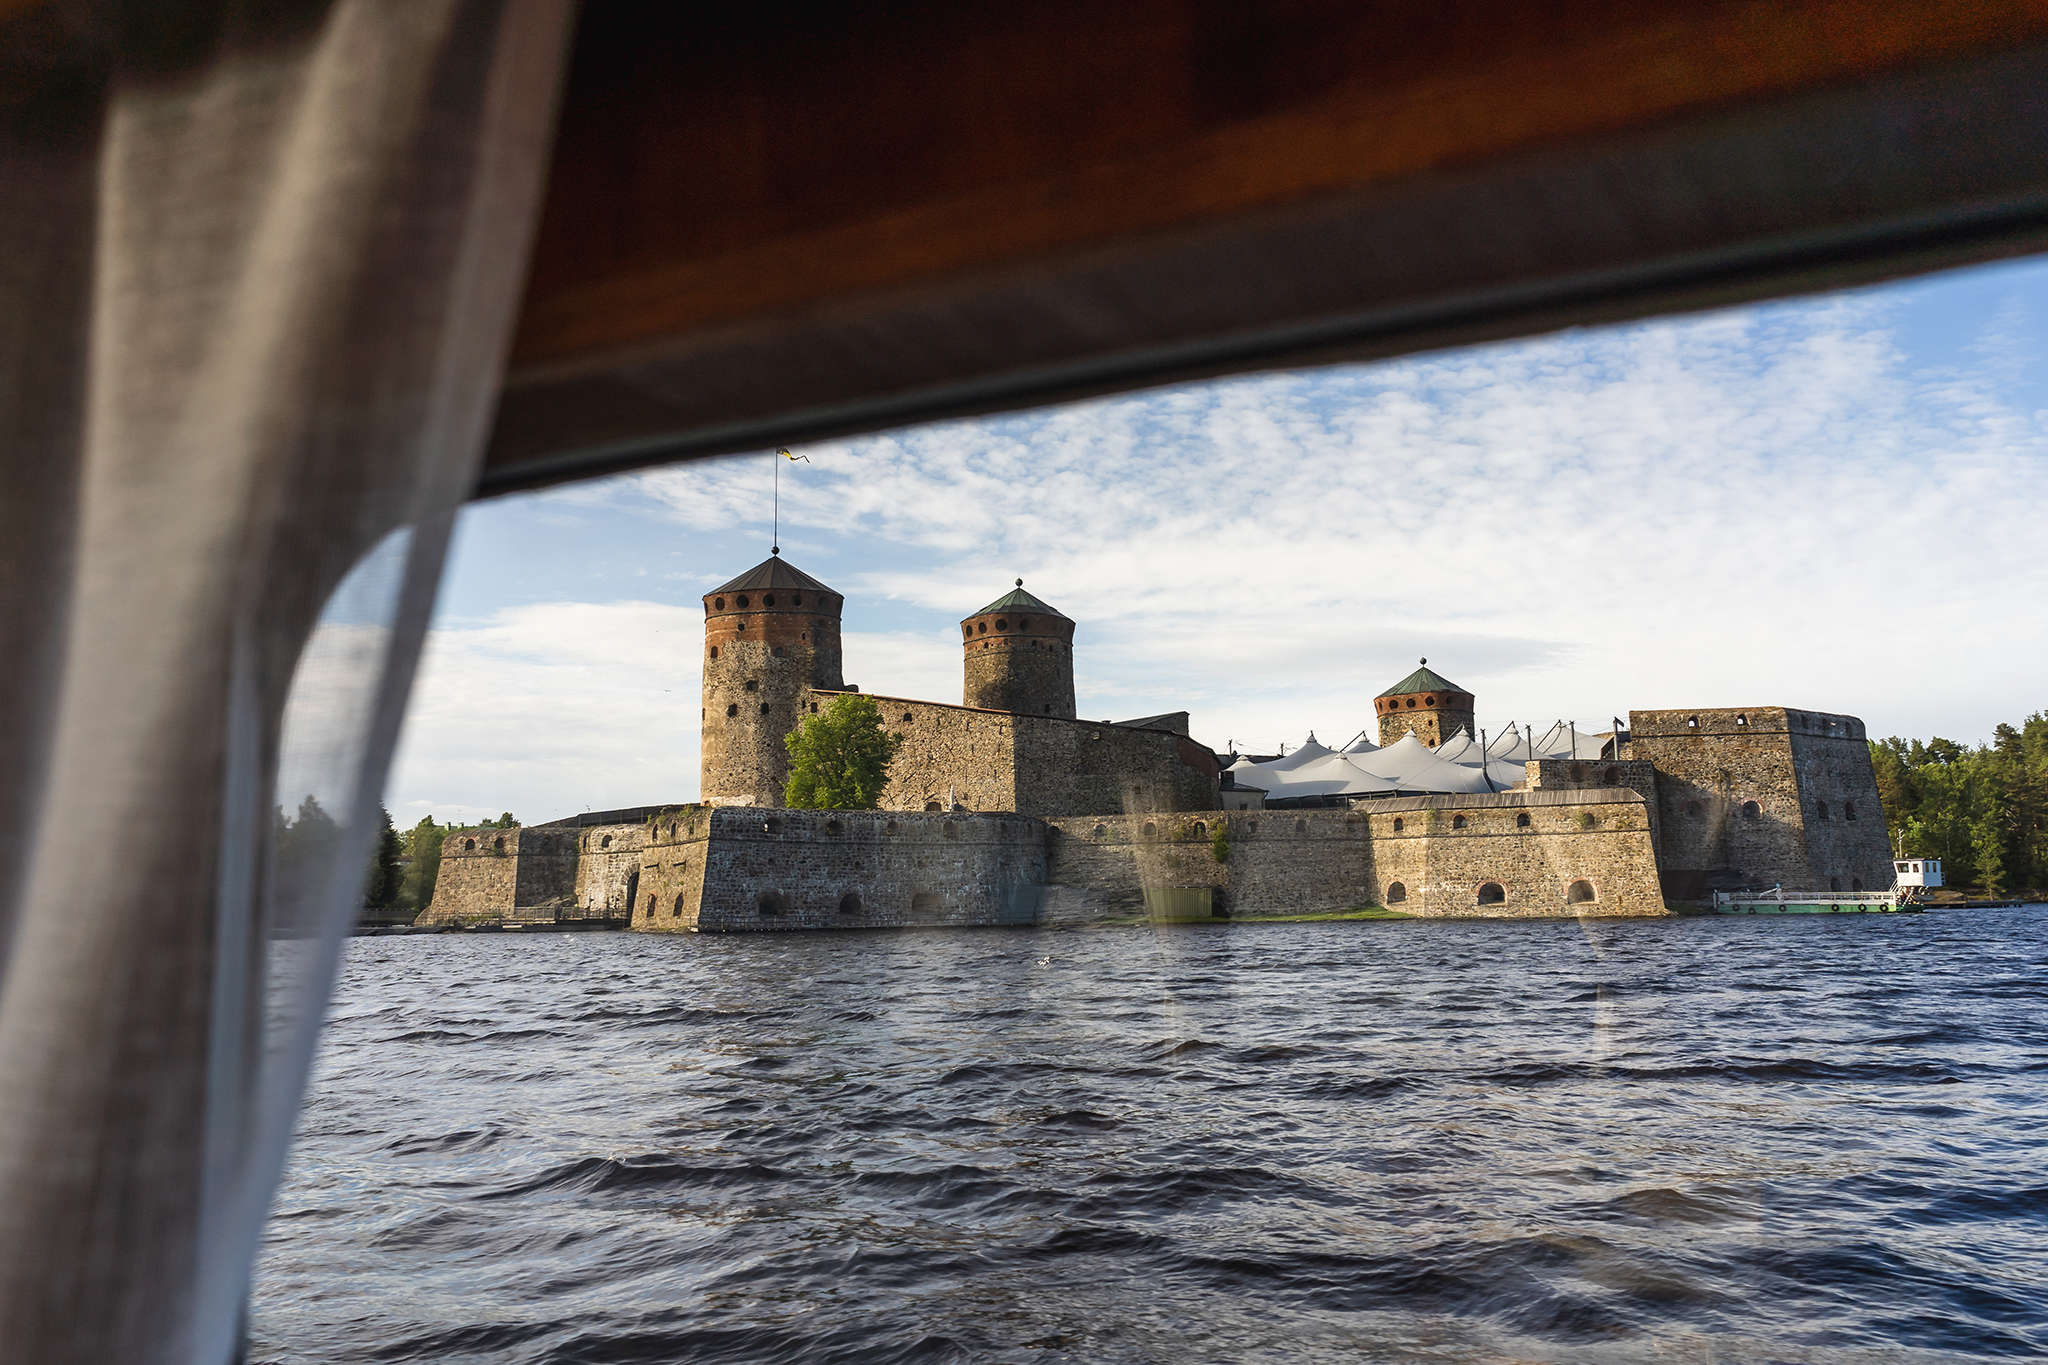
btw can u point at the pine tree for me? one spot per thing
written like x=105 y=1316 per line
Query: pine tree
x=839 y=760
x=386 y=875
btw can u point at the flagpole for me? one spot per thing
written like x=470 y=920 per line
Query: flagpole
x=775 y=527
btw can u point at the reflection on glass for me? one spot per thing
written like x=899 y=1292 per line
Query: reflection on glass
x=1526 y=991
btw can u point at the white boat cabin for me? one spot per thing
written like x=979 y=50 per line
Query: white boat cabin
x=1919 y=871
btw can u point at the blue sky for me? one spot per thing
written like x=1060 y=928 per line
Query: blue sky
x=1831 y=503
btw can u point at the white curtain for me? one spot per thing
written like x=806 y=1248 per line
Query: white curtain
x=258 y=267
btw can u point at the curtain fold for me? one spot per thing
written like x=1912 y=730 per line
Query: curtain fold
x=256 y=280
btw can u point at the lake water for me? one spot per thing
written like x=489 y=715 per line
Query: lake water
x=1781 y=1139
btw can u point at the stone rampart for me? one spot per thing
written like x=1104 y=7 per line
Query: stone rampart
x=1522 y=854
x=517 y=874
x=1760 y=796
x=608 y=868
x=1426 y=855
x=1279 y=862
x=760 y=869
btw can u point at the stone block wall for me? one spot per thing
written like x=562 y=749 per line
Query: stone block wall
x=990 y=760
x=522 y=873
x=765 y=869
x=1281 y=862
x=1549 y=853
x=668 y=873
x=1564 y=774
x=1739 y=794
x=608 y=869
x=1424 y=855
x=1847 y=848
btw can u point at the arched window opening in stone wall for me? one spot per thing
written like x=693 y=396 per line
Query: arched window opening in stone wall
x=1492 y=893
x=677 y=911
x=1751 y=810
x=1820 y=809
x=1399 y=824
x=932 y=807
x=772 y=903
x=1457 y=822
x=924 y=903
x=1579 y=892
x=1522 y=820
x=1848 y=810
x=1396 y=893
x=849 y=904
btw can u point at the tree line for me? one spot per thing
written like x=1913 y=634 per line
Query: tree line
x=1982 y=811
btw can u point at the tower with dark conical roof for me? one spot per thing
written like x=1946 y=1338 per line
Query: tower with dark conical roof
x=1427 y=703
x=1020 y=657
x=770 y=636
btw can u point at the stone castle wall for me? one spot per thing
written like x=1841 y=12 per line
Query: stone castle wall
x=1285 y=862
x=1037 y=765
x=1565 y=774
x=1847 y=848
x=522 y=873
x=608 y=869
x=1739 y=795
x=762 y=869
x=1440 y=850
x=1571 y=852
x=669 y=874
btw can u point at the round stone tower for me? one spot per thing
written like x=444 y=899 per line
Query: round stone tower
x=770 y=636
x=1020 y=657
x=1427 y=703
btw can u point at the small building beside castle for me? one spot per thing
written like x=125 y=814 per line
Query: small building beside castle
x=1008 y=808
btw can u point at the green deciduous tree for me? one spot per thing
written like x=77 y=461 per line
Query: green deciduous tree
x=423 y=863
x=839 y=759
x=1982 y=811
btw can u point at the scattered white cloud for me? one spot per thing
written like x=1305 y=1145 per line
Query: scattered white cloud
x=552 y=708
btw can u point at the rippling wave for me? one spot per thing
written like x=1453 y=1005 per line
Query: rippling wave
x=1689 y=1140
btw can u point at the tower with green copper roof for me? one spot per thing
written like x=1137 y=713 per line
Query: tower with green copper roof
x=1425 y=702
x=1020 y=657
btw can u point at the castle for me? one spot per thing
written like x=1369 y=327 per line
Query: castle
x=1010 y=809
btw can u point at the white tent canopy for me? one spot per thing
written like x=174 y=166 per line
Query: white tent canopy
x=1411 y=767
